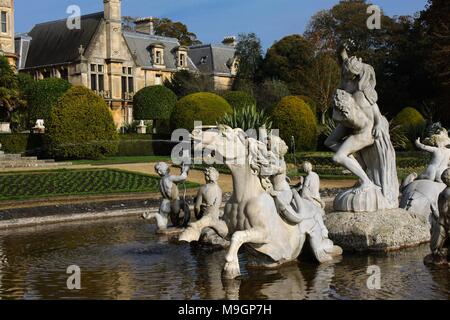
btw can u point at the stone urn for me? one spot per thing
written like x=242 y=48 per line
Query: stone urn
x=5 y=127
x=142 y=128
x=39 y=127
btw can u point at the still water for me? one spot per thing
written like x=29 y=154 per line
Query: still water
x=124 y=259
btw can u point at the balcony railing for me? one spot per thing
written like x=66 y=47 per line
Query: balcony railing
x=104 y=94
x=128 y=96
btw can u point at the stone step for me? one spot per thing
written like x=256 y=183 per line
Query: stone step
x=34 y=165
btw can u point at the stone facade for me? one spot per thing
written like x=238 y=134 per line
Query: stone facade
x=106 y=59
x=7 y=44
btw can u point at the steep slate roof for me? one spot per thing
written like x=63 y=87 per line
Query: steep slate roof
x=53 y=43
x=212 y=59
x=140 y=43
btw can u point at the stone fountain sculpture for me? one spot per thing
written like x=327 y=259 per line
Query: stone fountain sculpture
x=367 y=217
x=362 y=142
x=441 y=229
x=171 y=203
x=309 y=187
x=420 y=192
x=251 y=215
x=207 y=209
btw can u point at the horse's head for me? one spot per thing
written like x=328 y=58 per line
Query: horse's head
x=222 y=143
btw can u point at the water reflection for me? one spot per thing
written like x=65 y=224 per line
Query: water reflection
x=124 y=259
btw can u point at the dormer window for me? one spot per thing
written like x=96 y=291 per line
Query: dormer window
x=182 y=60
x=181 y=56
x=157 y=54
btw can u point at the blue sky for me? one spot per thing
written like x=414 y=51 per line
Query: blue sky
x=211 y=20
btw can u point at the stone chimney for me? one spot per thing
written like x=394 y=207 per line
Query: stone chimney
x=230 y=41
x=145 y=25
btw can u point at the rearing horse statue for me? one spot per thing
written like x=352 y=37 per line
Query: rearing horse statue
x=251 y=214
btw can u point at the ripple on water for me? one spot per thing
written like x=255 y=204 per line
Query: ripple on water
x=124 y=259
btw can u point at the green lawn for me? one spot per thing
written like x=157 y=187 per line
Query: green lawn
x=45 y=184
x=123 y=160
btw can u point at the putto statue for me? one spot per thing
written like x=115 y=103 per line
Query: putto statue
x=171 y=204
x=207 y=209
x=441 y=229
x=438 y=146
x=251 y=214
x=420 y=192
x=362 y=142
x=309 y=186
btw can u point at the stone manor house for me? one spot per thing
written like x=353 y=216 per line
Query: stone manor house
x=112 y=62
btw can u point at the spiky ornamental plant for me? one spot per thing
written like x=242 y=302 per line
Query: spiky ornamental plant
x=247 y=118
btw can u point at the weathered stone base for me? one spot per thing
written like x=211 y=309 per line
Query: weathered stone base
x=377 y=231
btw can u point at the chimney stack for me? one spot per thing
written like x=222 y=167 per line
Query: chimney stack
x=145 y=25
x=230 y=41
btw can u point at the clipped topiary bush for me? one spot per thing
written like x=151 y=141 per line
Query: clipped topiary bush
x=409 y=118
x=239 y=99
x=411 y=124
x=311 y=103
x=203 y=106
x=294 y=118
x=43 y=95
x=154 y=103
x=81 y=126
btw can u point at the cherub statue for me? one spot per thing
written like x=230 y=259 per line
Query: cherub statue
x=361 y=140
x=309 y=186
x=297 y=209
x=171 y=204
x=438 y=146
x=441 y=229
x=207 y=209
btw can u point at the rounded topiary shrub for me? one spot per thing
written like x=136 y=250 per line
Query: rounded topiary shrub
x=154 y=103
x=311 y=103
x=409 y=118
x=43 y=95
x=294 y=118
x=203 y=106
x=81 y=126
x=239 y=99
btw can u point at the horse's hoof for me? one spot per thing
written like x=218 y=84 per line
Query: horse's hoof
x=231 y=271
x=189 y=235
x=336 y=251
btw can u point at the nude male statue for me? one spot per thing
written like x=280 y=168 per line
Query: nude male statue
x=441 y=229
x=359 y=121
x=171 y=203
x=207 y=209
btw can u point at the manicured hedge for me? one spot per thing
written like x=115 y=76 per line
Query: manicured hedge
x=294 y=118
x=22 y=143
x=43 y=95
x=203 y=106
x=154 y=103
x=145 y=145
x=311 y=103
x=409 y=118
x=239 y=99
x=81 y=126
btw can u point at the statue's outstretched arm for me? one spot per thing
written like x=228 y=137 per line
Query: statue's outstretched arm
x=423 y=147
x=182 y=177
